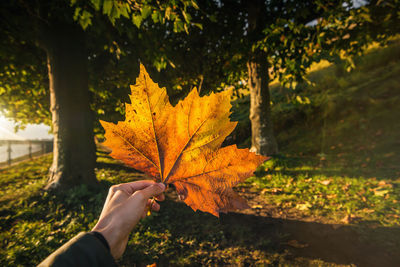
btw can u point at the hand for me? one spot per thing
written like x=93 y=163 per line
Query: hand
x=125 y=205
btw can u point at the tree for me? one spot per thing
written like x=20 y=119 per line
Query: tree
x=260 y=41
x=59 y=30
x=287 y=37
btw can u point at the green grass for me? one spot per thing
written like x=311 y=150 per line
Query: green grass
x=312 y=191
x=34 y=223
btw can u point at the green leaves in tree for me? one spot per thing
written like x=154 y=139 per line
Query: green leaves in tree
x=137 y=12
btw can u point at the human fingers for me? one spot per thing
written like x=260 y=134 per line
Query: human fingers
x=160 y=197
x=150 y=191
x=132 y=187
x=152 y=205
x=115 y=195
x=118 y=198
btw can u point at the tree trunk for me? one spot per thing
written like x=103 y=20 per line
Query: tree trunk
x=262 y=135
x=74 y=149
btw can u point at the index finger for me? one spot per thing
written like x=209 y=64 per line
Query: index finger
x=132 y=187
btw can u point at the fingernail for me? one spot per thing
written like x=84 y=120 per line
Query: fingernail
x=161 y=185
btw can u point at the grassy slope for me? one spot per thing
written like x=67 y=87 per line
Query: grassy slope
x=322 y=203
x=341 y=150
x=352 y=122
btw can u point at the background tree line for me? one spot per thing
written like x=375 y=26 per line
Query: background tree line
x=69 y=63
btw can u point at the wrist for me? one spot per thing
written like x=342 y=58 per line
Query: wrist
x=101 y=238
x=110 y=239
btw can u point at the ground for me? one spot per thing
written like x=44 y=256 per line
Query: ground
x=34 y=223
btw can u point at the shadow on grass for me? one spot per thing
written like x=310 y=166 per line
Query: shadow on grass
x=117 y=166
x=340 y=244
x=295 y=165
x=331 y=172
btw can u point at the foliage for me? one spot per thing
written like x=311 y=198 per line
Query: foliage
x=181 y=145
x=175 y=12
x=109 y=34
x=294 y=35
x=26 y=72
x=315 y=30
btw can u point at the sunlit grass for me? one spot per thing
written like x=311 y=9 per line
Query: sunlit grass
x=337 y=198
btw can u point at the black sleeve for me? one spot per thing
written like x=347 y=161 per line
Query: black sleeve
x=85 y=249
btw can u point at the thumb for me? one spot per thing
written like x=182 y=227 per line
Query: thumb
x=153 y=190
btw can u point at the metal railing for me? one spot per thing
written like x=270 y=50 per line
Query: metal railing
x=46 y=146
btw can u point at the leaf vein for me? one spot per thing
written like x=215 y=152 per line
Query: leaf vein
x=140 y=152
x=154 y=130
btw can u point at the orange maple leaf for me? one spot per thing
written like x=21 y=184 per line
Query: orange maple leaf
x=181 y=145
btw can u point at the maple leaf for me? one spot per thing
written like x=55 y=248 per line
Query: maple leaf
x=181 y=145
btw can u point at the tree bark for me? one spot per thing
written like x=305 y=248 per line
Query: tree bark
x=74 y=148
x=262 y=136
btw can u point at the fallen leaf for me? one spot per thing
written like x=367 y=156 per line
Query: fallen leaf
x=349 y=218
x=380 y=193
x=382 y=183
x=346 y=219
x=366 y=210
x=181 y=145
x=325 y=182
x=264 y=191
x=303 y=207
x=276 y=190
x=331 y=196
x=385 y=184
x=346 y=187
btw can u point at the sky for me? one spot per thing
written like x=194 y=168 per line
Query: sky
x=32 y=131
